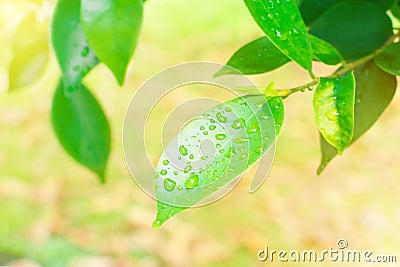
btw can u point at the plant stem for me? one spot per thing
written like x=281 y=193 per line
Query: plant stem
x=352 y=65
x=286 y=92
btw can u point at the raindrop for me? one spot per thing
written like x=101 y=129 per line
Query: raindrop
x=221 y=118
x=169 y=184
x=201 y=128
x=241 y=140
x=205 y=132
x=187 y=169
x=191 y=156
x=165 y=162
x=85 y=51
x=231 y=152
x=237 y=124
x=242 y=157
x=163 y=172
x=212 y=127
x=220 y=136
x=183 y=150
x=192 y=181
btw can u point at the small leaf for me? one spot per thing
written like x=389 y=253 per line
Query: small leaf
x=74 y=54
x=334 y=110
x=212 y=150
x=374 y=92
x=256 y=57
x=325 y=52
x=389 y=59
x=261 y=55
x=282 y=23
x=112 y=28
x=82 y=128
x=354 y=28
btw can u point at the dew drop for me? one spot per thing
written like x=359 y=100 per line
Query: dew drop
x=165 y=162
x=221 y=118
x=85 y=51
x=212 y=127
x=191 y=156
x=183 y=150
x=192 y=181
x=237 y=124
x=201 y=128
x=169 y=184
x=187 y=169
x=220 y=136
x=242 y=157
x=205 y=132
x=231 y=152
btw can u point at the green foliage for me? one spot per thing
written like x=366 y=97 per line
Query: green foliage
x=334 y=110
x=356 y=35
x=82 y=128
x=74 y=54
x=355 y=28
x=374 y=92
x=389 y=59
x=282 y=23
x=239 y=132
x=112 y=29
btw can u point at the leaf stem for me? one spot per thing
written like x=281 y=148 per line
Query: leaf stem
x=286 y=92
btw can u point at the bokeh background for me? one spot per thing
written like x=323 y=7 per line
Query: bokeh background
x=53 y=212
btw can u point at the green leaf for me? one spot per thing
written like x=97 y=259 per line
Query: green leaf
x=74 y=55
x=82 y=128
x=258 y=56
x=355 y=28
x=312 y=9
x=282 y=23
x=395 y=9
x=261 y=55
x=389 y=59
x=374 y=92
x=212 y=150
x=334 y=110
x=112 y=28
x=324 y=51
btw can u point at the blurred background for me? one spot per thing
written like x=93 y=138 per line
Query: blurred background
x=53 y=212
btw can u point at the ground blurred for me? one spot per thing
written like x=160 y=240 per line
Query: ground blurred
x=55 y=213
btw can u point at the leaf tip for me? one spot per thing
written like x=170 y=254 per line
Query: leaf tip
x=157 y=223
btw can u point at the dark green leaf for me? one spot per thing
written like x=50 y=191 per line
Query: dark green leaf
x=395 y=9
x=282 y=23
x=389 y=59
x=256 y=57
x=355 y=28
x=334 y=110
x=312 y=9
x=112 y=28
x=238 y=133
x=324 y=51
x=82 y=128
x=74 y=55
x=374 y=92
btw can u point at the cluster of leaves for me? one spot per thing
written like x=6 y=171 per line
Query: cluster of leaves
x=357 y=36
x=85 y=33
